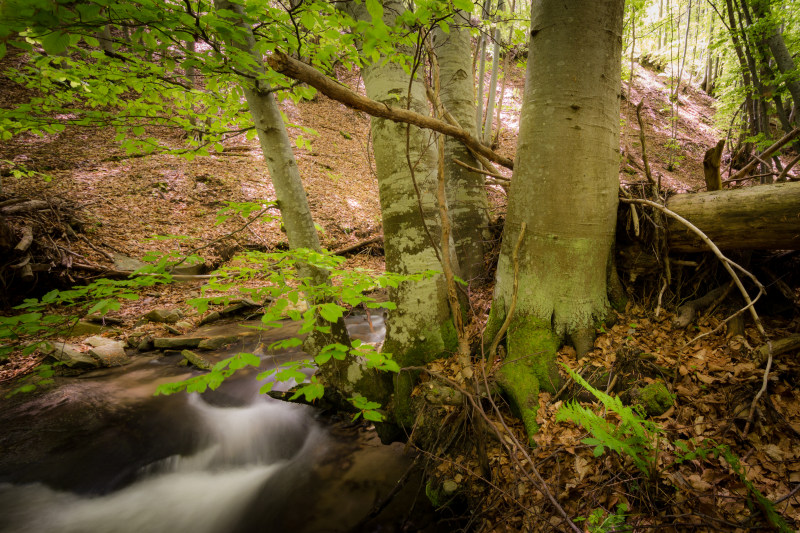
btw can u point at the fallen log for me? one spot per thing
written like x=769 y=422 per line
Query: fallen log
x=765 y=217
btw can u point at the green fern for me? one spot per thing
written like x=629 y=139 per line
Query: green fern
x=633 y=436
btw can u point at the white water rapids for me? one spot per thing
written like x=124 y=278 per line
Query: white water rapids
x=206 y=492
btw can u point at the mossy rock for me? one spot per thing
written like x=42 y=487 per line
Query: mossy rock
x=655 y=398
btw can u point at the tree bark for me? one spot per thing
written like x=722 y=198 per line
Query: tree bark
x=711 y=163
x=766 y=217
x=783 y=58
x=466 y=193
x=420 y=329
x=564 y=190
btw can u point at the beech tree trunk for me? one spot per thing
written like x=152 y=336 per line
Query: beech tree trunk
x=766 y=217
x=466 y=192
x=565 y=191
x=420 y=329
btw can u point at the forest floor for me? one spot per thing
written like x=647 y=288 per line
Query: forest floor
x=128 y=201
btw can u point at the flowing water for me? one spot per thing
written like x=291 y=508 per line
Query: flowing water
x=99 y=453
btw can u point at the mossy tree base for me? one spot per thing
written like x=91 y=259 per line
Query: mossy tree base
x=529 y=367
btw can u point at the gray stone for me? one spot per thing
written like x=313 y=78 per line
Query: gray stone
x=145 y=343
x=183 y=324
x=70 y=356
x=82 y=328
x=215 y=343
x=449 y=486
x=197 y=360
x=111 y=354
x=190 y=270
x=237 y=308
x=165 y=316
x=164 y=343
x=97 y=341
x=128 y=264
x=211 y=317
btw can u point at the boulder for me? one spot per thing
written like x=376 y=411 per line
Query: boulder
x=197 y=360
x=81 y=328
x=111 y=353
x=70 y=356
x=164 y=343
x=214 y=343
x=145 y=343
x=164 y=316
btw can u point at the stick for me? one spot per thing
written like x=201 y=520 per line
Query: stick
x=727 y=263
x=765 y=154
x=473 y=169
x=358 y=245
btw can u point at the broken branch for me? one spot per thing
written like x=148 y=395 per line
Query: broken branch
x=292 y=68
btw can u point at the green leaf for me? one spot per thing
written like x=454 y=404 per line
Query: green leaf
x=466 y=5
x=55 y=43
x=375 y=10
x=373 y=416
x=331 y=312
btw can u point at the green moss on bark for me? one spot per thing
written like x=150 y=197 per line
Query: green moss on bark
x=434 y=343
x=529 y=367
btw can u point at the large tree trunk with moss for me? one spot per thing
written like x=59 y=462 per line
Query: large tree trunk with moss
x=466 y=193
x=348 y=376
x=420 y=329
x=564 y=190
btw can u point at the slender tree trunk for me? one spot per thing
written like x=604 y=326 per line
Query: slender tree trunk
x=481 y=70
x=564 y=191
x=346 y=376
x=466 y=193
x=487 y=124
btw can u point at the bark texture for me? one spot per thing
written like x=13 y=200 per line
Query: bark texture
x=564 y=189
x=466 y=193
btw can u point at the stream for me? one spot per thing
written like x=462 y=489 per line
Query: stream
x=100 y=453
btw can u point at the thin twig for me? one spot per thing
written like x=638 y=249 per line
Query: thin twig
x=764 y=382
x=473 y=169
x=512 y=306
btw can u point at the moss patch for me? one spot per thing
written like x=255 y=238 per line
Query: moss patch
x=656 y=398
x=433 y=343
x=529 y=366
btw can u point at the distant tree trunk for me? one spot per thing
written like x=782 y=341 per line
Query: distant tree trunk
x=506 y=62
x=482 y=41
x=191 y=70
x=564 y=191
x=466 y=193
x=346 y=376
x=420 y=329
x=783 y=58
x=487 y=123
